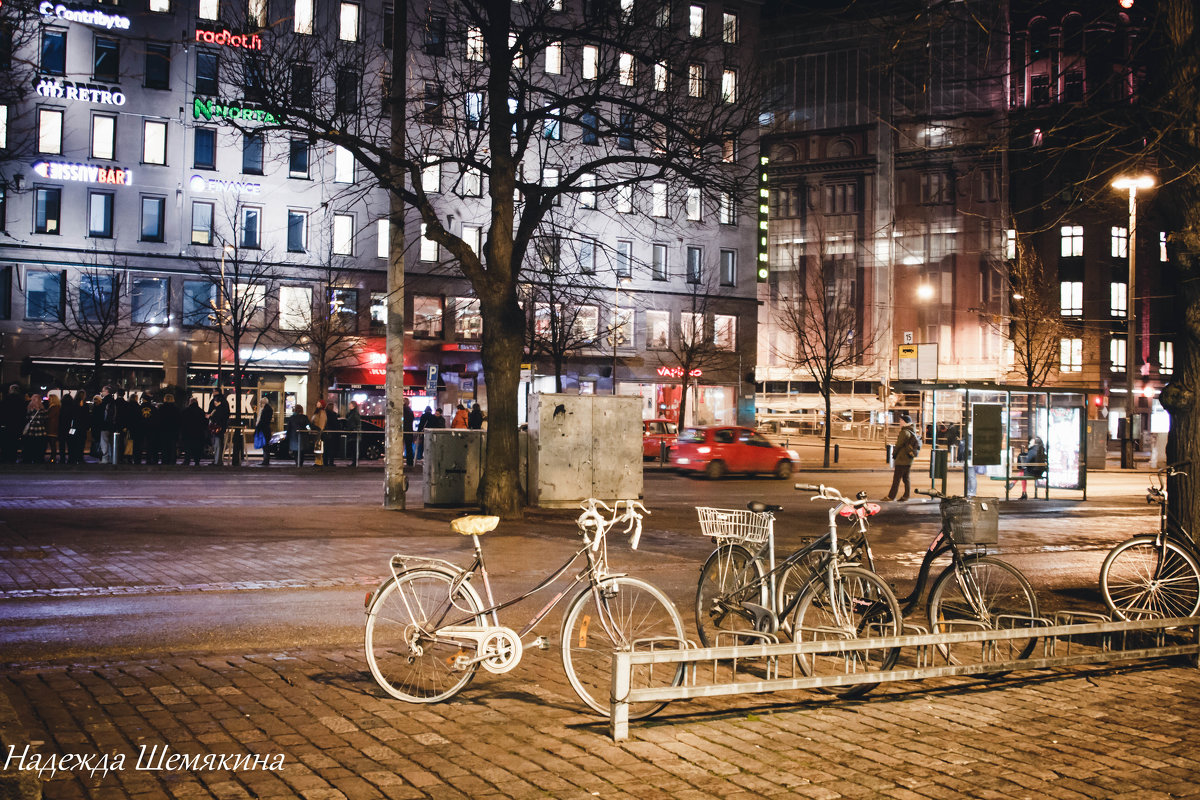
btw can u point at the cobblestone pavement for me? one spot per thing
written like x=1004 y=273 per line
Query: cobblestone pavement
x=1080 y=733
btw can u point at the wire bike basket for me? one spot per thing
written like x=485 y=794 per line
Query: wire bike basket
x=734 y=526
x=971 y=520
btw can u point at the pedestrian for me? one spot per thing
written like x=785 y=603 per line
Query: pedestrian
x=908 y=444
x=317 y=423
x=128 y=419
x=96 y=427
x=422 y=425
x=83 y=424
x=353 y=423
x=194 y=430
x=109 y=438
x=218 y=424
x=438 y=420
x=12 y=423
x=169 y=422
x=263 y=429
x=144 y=432
x=460 y=418
x=1033 y=465
x=294 y=426
x=330 y=437
x=475 y=418
x=33 y=435
x=410 y=451
x=67 y=413
x=53 y=416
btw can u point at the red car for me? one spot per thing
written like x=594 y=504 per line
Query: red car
x=719 y=449
x=654 y=433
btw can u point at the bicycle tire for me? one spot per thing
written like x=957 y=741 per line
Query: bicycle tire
x=866 y=604
x=730 y=576
x=419 y=598
x=1130 y=589
x=639 y=615
x=1003 y=592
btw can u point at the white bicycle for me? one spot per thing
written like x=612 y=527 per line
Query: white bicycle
x=429 y=630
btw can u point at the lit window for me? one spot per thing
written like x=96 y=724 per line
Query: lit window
x=208 y=9
x=658 y=200
x=1120 y=242
x=160 y=6
x=726 y=212
x=348 y=23
x=696 y=80
x=295 y=308
x=1116 y=353
x=50 y=123
x=104 y=136
x=100 y=215
x=1072 y=240
x=468 y=319
x=473 y=106
x=658 y=330
x=1010 y=244
x=427 y=317
x=3 y=127
x=1162 y=238
x=626 y=10
x=297 y=231
x=696 y=21
x=343 y=308
x=256 y=13
x=587 y=324
x=302 y=17
x=343 y=234
x=623 y=202
x=1166 y=358
x=625 y=69
x=431 y=175
x=343 y=165
x=729 y=28
x=518 y=57
x=1071 y=303
x=660 y=77
x=693 y=205
x=378 y=312
x=552 y=124
x=429 y=248
x=202 y=222
x=724 y=331
x=554 y=58
x=382 y=238
x=154 y=142
x=587 y=199
x=691 y=328
x=474 y=44
x=1118 y=305
x=1071 y=355
x=550 y=179
x=472 y=182
x=473 y=236
x=729 y=148
x=729 y=86
x=591 y=62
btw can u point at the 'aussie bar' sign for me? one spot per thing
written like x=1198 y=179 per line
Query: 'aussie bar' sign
x=212 y=109
x=86 y=16
x=87 y=92
x=199 y=183
x=250 y=41
x=84 y=173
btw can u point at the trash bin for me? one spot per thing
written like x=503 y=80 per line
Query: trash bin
x=939 y=461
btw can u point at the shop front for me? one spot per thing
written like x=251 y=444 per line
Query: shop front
x=661 y=389
x=284 y=385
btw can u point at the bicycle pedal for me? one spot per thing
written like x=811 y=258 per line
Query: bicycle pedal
x=542 y=643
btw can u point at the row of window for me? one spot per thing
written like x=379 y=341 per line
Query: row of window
x=1071 y=355
x=1071 y=242
x=1071 y=298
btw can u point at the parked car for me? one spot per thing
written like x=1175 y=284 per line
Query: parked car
x=720 y=449
x=370 y=444
x=654 y=433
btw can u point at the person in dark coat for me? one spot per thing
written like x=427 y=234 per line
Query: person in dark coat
x=83 y=423
x=96 y=417
x=264 y=425
x=218 y=423
x=170 y=421
x=353 y=424
x=330 y=436
x=67 y=413
x=130 y=421
x=33 y=434
x=422 y=424
x=294 y=426
x=475 y=418
x=409 y=444
x=109 y=425
x=195 y=432
x=145 y=431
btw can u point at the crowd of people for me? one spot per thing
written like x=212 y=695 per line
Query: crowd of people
x=145 y=428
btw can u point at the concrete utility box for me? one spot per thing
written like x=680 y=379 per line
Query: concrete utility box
x=583 y=446
x=1097 y=444
x=453 y=466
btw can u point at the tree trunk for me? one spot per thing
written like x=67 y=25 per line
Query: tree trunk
x=395 y=483
x=683 y=394
x=503 y=347
x=238 y=438
x=1180 y=395
x=825 y=391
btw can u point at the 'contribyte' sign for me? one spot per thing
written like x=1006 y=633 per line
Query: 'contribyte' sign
x=250 y=41
x=86 y=16
x=84 y=173
x=87 y=92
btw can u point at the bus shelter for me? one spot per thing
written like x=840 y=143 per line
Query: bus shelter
x=977 y=433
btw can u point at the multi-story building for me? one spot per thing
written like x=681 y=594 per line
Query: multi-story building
x=133 y=182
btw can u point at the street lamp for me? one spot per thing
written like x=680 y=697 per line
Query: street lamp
x=1131 y=184
x=221 y=317
x=616 y=332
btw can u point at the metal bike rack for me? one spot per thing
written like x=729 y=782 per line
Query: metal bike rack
x=761 y=668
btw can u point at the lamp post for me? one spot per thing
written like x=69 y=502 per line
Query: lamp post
x=221 y=319
x=1131 y=184
x=616 y=332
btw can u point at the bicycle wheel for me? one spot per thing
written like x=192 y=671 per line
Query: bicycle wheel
x=794 y=580
x=1138 y=580
x=730 y=577
x=621 y=613
x=861 y=605
x=404 y=658
x=999 y=597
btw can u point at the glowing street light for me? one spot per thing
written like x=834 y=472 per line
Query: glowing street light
x=1131 y=184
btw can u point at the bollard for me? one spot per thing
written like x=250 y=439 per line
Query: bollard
x=114 y=450
x=663 y=448
x=835 y=453
x=887 y=449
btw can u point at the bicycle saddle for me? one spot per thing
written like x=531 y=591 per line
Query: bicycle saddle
x=758 y=507
x=474 y=525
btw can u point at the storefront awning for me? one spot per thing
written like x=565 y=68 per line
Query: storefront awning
x=375 y=376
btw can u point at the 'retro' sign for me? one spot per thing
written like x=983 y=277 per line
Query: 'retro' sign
x=250 y=41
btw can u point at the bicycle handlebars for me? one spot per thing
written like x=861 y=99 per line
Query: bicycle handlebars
x=591 y=517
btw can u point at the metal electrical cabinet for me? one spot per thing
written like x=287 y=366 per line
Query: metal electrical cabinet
x=453 y=466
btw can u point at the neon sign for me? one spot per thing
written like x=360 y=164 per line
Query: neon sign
x=97 y=18
x=84 y=173
x=677 y=372
x=87 y=92
x=250 y=41
x=213 y=109
x=199 y=183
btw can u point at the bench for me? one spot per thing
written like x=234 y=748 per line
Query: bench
x=1043 y=481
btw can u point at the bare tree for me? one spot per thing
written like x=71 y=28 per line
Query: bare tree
x=1034 y=326
x=93 y=318
x=644 y=107
x=819 y=309
x=327 y=328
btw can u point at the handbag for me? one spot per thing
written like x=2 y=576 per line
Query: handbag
x=260 y=440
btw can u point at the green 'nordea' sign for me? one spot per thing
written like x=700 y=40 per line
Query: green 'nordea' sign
x=213 y=109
